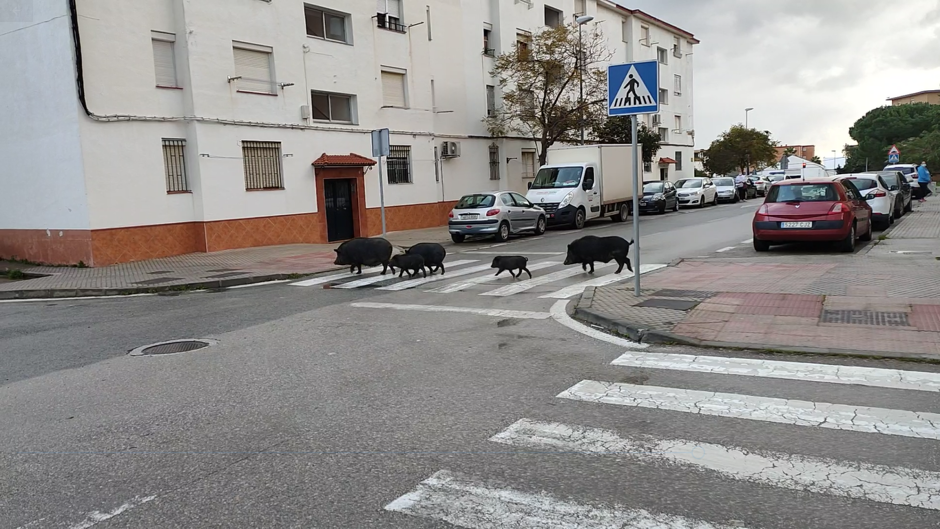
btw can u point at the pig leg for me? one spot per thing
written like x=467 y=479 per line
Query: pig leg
x=425 y=273
x=592 y=267
x=584 y=266
x=401 y=271
x=526 y=270
x=352 y=268
x=514 y=276
x=441 y=267
x=359 y=267
x=501 y=270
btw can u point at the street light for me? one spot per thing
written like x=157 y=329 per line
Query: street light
x=833 y=159
x=581 y=21
x=746 y=110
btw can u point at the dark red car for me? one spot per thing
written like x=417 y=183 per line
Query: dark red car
x=812 y=210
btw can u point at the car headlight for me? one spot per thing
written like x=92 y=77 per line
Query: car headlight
x=565 y=201
x=657 y=197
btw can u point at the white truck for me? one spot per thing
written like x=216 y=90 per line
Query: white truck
x=585 y=182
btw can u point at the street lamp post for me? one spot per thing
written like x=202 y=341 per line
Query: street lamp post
x=833 y=159
x=746 y=110
x=582 y=20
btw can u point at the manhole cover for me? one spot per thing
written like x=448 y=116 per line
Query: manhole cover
x=670 y=293
x=865 y=317
x=674 y=304
x=172 y=347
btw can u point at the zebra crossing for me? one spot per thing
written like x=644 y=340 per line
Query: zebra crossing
x=475 y=274
x=476 y=501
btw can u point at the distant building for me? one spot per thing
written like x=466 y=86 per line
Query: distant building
x=927 y=96
x=803 y=151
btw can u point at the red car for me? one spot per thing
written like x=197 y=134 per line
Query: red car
x=812 y=210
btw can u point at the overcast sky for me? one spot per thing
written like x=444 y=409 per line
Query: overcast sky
x=809 y=68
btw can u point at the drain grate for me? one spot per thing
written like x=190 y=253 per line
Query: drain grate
x=670 y=293
x=172 y=347
x=865 y=317
x=674 y=304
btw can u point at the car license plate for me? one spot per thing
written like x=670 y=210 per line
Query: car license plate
x=469 y=216
x=796 y=225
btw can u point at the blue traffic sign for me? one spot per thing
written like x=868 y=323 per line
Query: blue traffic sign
x=894 y=158
x=633 y=88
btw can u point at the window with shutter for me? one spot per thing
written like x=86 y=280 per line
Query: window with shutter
x=254 y=68
x=393 y=89
x=164 y=60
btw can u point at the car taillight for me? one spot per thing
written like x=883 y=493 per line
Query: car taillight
x=837 y=209
x=877 y=194
x=451 y=214
x=763 y=210
x=492 y=212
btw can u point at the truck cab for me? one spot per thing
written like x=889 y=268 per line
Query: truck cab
x=569 y=193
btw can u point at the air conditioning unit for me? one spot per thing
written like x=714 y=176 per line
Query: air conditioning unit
x=450 y=149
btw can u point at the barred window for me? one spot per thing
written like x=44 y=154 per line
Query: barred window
x=678 y=160
x=494 y=162
x=174 y=163
x=399 y=164
x=262 y=160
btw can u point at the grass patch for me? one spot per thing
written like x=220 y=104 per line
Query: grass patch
x=15 y=274
x=882 y=237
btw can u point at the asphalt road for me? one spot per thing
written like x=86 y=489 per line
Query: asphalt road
x=329 y=407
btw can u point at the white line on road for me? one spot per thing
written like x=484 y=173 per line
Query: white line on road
x=265 y=283
x=749 y=206
x=522 y=286
x=93 y=518
x=560 y=314
x=462 y=285
x=902 y=423
x=836 y=374
x=81 y=298
x=468 y=502
x=378 y=279
x=895 y=485
x=411 y=283
x=496 y=313
x=504 y=253
x=749 y=241
x=333 y=277
x=608 y=279
x=725 y=249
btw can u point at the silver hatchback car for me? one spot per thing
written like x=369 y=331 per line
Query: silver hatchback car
x=500 y=213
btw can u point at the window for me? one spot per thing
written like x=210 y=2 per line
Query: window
x=678 y=82
x=645 y=35
x=522 y=45
x=262 y=160
x=506 y=199
x=663 y=96
x=678 y=160
x=647 y=167
x=253 y=64
x=393 y=89
x=164 y=59
x=529 y=103
x=490 y=100
x=528 y=164
x=328 y=25
x=677 y=47
x=174 y=163
x=494 y=162
x=487 y=48
x=553 y=17
x=521 y=201
x=580 y=7
x=662 y=56
x=657 y=120
x=399 y=164
x=664 y=134
x=678 y=126
x=332 y=107
x=390 y=16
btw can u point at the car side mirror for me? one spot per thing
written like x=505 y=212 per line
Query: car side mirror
x=529 y=185
x=893 y=188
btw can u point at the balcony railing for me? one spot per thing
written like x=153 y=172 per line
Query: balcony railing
x=382 y=20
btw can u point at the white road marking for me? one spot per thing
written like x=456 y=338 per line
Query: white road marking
x=836 y=374
x=749 y=241
x=608 y=279
x=895 y=485
x=922 y=425
x=411 y=283
x=467 y=502
x=749 y=206
x=95 y=517
x=504 y=253
x=378 y=279
x=81 y=298
x=333 y=277
x=496 y=313
x=725 y=249
x=275 y=282
x=522 y=286
x=462 y=285
x=560 y=314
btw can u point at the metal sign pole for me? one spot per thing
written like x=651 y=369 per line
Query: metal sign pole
x=636 y=210
x=382 y=194
x=380 y=148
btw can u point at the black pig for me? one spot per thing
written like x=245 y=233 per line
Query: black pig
x=363 y=251
x=511 y=262
x=433 y=254
x=591 y=248
x=410 y=263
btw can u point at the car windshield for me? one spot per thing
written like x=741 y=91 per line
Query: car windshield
x=803 y=193
x=653 y=187
x=689 y=183
x=724 y=182
x=902 y=169
x=863 y=183
x=552 y=177
x=476 y=201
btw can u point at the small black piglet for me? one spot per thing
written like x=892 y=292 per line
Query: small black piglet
x=511 y=262
x=411 y=263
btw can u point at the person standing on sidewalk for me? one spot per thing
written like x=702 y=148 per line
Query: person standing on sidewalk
x=923 y=180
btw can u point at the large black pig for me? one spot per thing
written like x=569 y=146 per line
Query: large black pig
x=433 y=254
x=591 y=248
x=411 y=263
x=363 y=251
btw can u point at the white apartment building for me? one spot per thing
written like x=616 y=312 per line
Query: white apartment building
x=149 y=128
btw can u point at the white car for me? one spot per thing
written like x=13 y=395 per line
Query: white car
x=726 y=189
x=875 y=191
x=696 y=192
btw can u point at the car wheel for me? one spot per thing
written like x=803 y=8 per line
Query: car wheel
x=867 y=236
x=662 y=210
x=676 y=207
x=736 y=197
x=891 y=219
x=761 y=246
x=848 y=244
x=623 y=214
x=457 y=237
x=502 y=235
x=540 y=226
x=715 y=201
x=701 y=202
x=910 y=206
x=579 y=219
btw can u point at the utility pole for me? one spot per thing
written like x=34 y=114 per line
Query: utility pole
x=582 y=20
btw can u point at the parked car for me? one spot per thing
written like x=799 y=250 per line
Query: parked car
x=499 y=214
x=901 y=188
x=658 y=197
x=812 y=210
x=725 y=188
x=696 y=192
x=761 y=184
x=745 y=187
x=875 y=191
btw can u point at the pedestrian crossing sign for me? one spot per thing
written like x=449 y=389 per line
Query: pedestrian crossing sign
x=633 y=88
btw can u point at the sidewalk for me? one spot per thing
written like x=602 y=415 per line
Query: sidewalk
x=193 y=271
x=882 y=301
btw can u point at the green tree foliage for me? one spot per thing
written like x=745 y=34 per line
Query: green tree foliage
x=618 y=129
x=540 y=88
x=883 y=127
x=923 y=148
x=789 y=151
x=816 y=159
x=736 y=147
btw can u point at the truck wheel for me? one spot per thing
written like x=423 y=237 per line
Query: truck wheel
x=457 y=237
x=623 y=214
x=579 y=219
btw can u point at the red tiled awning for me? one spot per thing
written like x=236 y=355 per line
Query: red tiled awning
x=343 y=160
x=665 y=161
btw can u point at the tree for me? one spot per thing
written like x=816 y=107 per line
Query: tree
x=923 y=148
x=816 y=159
x=883 y=127
x=618 y=129
x=789 y=151
x=540 y=86
x=738 y=147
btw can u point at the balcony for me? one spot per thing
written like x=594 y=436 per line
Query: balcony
x=383 y=21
